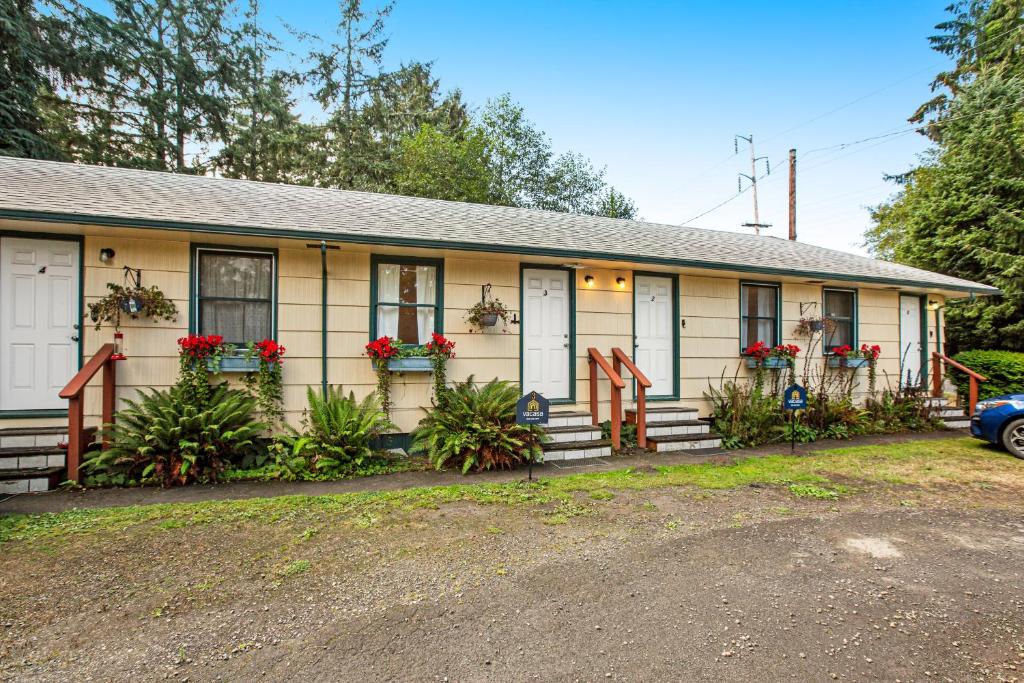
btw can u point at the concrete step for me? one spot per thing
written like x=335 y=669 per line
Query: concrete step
x=685 y=442
x=958 y=422
x=29 y=437
x=31 y=457
x=936 y=401
x=568 y=418
x=571 y=433
x=30 y=480
x=574 y=450
x=946 y=411
x=677 y=427
x=666 y=414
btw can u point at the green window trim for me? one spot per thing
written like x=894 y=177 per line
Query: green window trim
x=778 y=312
x=854 y=319
x=193 y=287
x=438 y=305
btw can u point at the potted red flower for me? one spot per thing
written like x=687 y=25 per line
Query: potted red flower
x=756 y=354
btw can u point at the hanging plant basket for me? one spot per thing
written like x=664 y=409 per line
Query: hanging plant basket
x=488 y=319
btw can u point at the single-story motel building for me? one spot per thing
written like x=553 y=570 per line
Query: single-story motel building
x=325 y=271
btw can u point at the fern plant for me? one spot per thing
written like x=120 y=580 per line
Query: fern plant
x=337 y=433
x=475 y=429
x=165 y=437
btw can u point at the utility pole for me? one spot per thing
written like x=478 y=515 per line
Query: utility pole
x=757 y=224
x=792 y=194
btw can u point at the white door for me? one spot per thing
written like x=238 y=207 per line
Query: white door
x=38 y=321
x=546 y=343
x=652 y=311
x=910 y=340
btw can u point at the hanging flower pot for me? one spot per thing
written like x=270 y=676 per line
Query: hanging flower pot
x=488 y=319
x=485 y=314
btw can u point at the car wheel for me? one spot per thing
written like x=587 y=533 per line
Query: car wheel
x=1013 y=438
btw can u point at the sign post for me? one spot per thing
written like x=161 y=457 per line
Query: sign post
x=532 y=409
x=793 y=399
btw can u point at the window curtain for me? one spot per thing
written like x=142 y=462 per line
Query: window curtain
x=387 y=290
x=766 y=309
x=426 y=283
x=224 y=278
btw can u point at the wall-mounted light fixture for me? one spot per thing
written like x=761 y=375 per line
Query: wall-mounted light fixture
x=589 y=279
x=106 y=255
x=933 y=305
x=621 y=282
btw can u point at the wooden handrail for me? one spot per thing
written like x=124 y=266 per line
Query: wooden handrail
x=76 y=415
x=596 y=360
x=619 y=358
x=974 y=377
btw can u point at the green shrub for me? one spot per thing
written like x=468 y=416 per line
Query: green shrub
x=1004 y=370
x=336 y=437
x=165 y=437
x=627 y=433
x=475 y=429
x=743 y=415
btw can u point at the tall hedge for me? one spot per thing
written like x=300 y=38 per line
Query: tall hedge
x=1004 y=370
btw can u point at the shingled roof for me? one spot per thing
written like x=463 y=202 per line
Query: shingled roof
x=64 y=192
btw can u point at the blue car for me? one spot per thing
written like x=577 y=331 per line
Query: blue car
x=1000 y=420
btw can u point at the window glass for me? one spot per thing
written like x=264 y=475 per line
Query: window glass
x=839 y=307
x=406 y=302
x=758 y=315
x=235 y=295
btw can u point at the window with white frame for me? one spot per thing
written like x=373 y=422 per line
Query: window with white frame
x=406 y=305
x=234 y=294
x=840 y=307
x=759 y=314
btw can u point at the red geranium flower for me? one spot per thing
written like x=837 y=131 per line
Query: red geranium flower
x=760 y=350
x=842 y=351
x=382 y=348
x=439 y=346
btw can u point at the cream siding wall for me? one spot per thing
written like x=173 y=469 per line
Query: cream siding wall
x=708 y=304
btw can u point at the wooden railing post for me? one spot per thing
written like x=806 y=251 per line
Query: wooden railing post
x=616 y=417
x=641 y=415
x=76 y=436
x=936 y=375
x=593 y=390
x=109 y=386
x=973 y=393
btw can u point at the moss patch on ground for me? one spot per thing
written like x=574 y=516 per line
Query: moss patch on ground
x=957 y=462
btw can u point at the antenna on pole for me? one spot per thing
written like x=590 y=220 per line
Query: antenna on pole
x=749 y=139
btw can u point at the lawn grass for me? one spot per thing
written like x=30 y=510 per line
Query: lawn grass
x=959 y=462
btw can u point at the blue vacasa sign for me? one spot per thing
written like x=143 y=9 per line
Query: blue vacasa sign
x=794 y=398
x=532 y=409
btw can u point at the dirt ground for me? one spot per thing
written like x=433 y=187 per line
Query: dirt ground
x=895 y=583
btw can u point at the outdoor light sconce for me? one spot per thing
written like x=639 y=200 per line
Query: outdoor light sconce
x=621 y=282
x=106 y=255
x=933 y=305
x=589 y=279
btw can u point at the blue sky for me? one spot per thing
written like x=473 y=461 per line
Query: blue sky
x=656 y=91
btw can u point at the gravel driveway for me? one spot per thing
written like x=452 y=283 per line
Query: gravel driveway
x=679 y=584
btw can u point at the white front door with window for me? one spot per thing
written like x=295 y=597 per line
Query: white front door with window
x=546 y=342
x=652 y=311
x=38 y=321
x=910 y=340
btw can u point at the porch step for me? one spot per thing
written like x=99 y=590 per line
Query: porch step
x=31 y=457
x=946 y=411
x=677 y=427
x=30 y=480
x=936 y=401
x=957 y=421
x=667 y=414
x=33 y=431
x=571 y=433
x=574 y=450
x=568 y=418
x=30 y=437
x=705 y=443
